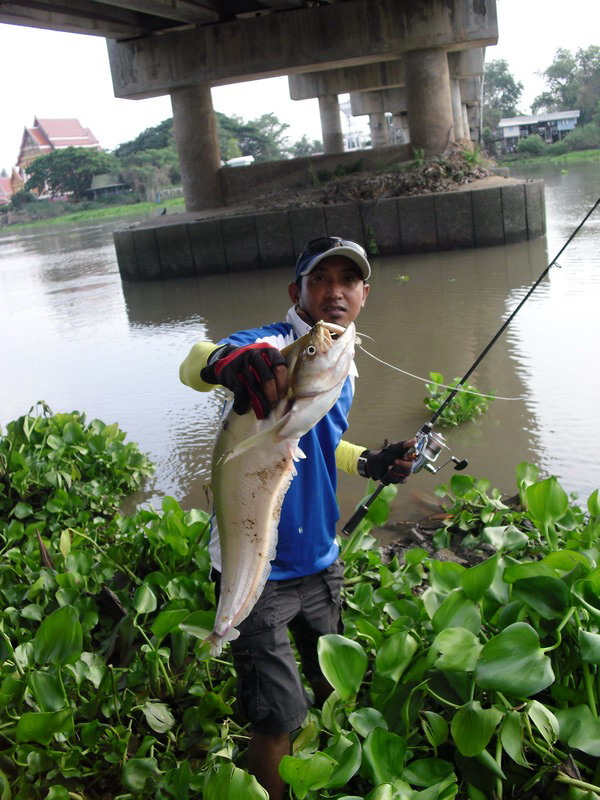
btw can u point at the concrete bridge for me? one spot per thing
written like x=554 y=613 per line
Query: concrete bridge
x=422 y=60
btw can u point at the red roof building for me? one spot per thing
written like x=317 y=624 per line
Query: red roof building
x=47 y=135
x=5 y=191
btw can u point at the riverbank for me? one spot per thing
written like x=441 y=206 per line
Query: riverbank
x=514 y=159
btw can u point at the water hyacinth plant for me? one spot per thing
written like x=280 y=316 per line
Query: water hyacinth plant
x=466 y=405
x=469 y=680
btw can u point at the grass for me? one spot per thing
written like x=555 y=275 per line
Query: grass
x=99 y=213
x=566 y=158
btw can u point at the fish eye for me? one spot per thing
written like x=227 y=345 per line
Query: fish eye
x=311 y=350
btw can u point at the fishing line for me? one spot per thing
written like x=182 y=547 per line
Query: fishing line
x=429 y=380
x=430 y=443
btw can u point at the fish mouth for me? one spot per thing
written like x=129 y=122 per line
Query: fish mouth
x=334 y=330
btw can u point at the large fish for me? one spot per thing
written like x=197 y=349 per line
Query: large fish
x=253 y=465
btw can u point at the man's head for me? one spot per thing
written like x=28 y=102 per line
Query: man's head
x=331 y=275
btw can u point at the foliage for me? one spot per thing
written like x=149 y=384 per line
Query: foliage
x=464 y=406
x=501 y=93
x=21 y=199
x=263 y=138
x=449 y=681
x=573 y=83
x=305 y=147
x=68 y=171
x=531 y=145
x=155 y=138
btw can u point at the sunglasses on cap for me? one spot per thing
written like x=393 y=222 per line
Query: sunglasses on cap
x=323 y=247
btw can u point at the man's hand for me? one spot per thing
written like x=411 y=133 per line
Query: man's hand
x=257 y=375
x=391 y=464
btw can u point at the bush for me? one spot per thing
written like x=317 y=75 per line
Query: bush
x=532 y=146
x=558 y=148
x=585 y=138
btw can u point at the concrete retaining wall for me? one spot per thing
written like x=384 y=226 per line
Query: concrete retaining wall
x=462 y=219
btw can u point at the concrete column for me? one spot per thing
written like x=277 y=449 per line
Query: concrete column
x=428 y=100
x=195 y=129
x=457 y=112
x=378 y=125
x=401 y=134
x=331 y=124
x=466 y=127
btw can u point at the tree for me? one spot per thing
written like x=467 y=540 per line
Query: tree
x=573 y=83
x=150 y=139
x=262 y=138
x=501 y=93
x=68 y=171
x=304 y=147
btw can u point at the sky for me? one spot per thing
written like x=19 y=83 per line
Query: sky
x=67 y=75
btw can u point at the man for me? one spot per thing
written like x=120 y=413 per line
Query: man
x=303 y=590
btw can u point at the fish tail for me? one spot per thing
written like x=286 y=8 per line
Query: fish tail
x=217 y=640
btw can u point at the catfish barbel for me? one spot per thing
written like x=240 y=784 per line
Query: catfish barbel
x=253 y=466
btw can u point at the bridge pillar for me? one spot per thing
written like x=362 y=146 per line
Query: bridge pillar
x=378 y=125
x=331 y=124
x=429 y=100
x=457 y=112
x=195 y=129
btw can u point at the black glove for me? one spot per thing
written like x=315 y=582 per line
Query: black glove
x=388 y=465
x=246 y=371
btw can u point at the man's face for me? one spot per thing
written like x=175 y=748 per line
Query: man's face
x=333 y=292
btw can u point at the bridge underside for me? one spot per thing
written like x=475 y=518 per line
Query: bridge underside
x=184 y=47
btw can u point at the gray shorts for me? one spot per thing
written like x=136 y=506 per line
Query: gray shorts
x=270 y=693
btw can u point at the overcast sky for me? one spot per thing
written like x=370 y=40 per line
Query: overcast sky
x=52 y=75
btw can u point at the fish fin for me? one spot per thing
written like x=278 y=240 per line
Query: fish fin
x=252 y=441
x=299 y=454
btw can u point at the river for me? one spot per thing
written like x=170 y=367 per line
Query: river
x=73 y=335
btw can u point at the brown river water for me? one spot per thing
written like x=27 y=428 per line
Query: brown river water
x=73 y=335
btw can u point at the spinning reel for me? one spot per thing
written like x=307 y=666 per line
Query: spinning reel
x=428 y=447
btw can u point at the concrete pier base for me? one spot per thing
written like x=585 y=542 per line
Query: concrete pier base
x=501 y=212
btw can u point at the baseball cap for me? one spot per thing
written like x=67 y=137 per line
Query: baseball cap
x=325 y=247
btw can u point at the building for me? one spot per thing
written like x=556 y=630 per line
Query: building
x=552 y=127
x=5 y=191
x=47 y=135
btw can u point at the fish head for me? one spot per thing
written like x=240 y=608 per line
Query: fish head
x=323 y=358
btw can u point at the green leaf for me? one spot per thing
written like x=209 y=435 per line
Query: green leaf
x=5 y=792
x=48 y=692
x=512 y=736
x=168 y=621
x=22 y=510
x=343 y=663
x=144 y=600
x=395 y=655
x=365 y=719
x=59 y=639
x=593 y=504
x=457 y=611
x=459 y=650
x=513 y=663
x=139 y=773
x=158 y=716
x=476 y=580
x=435 y=728
x=544 y=720
x=587 y=594
x=347 y=752
x=589 y=645
x=306 y=774
x=199 y=624
x=472 y=727
x=579 y=729
x=547 y=501
x=383 y=756
x=41 y=726
x=427 y=771
x=548 y=596
x=504 y=537
x=444 y=576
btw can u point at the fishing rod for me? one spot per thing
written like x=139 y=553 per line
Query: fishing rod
x=430 y=443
